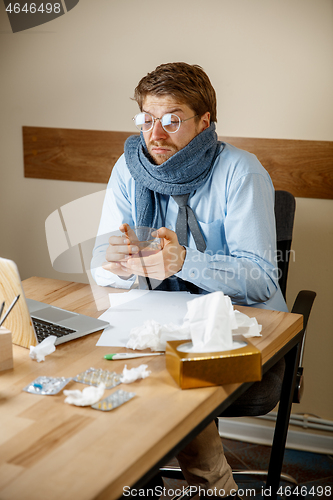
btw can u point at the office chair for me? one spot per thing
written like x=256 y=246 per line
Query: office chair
x=282 y=382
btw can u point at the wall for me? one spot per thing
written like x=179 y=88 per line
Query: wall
x=271 y=64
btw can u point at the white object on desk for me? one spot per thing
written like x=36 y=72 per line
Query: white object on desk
x=88 y=396
x=132 y=309
x=131 y=375
x=43 y=349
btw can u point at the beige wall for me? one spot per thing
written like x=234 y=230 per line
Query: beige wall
x=272 y=66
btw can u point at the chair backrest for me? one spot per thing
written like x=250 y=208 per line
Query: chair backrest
x=285 y=206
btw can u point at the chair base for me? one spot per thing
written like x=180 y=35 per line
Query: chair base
x=174 y=472
x=264 y=473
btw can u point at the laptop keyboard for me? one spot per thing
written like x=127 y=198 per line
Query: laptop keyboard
x=44 y=329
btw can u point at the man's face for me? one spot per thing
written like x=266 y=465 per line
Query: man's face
x=160 y=144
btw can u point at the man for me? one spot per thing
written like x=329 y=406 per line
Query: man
x=213 y=207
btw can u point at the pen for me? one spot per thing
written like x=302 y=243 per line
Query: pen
x=9 y=309
x=1 y=309
x=129 y=355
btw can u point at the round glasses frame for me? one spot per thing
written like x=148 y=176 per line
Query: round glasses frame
x=140 y=127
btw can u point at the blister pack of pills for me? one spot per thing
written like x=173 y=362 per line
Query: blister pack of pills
x=47 y=386
x=114 y=400
x=94 y=376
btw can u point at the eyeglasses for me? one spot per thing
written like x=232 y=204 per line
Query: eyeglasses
x=171 y=123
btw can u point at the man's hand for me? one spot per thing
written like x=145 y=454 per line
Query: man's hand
x=120 y=250
x=166 y=262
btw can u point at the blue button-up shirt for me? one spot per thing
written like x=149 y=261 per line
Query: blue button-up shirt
x=235 y=211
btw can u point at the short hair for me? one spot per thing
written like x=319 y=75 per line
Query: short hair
x=186 y=82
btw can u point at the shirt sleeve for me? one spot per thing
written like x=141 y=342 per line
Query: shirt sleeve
x=117 y=209
x=246 y=268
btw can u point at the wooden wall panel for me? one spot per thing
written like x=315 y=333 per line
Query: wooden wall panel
x=305 y=168
x=71 y=154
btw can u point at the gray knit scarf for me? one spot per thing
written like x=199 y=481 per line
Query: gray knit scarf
x=183 y=173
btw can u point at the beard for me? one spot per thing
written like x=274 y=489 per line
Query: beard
x=161 y=157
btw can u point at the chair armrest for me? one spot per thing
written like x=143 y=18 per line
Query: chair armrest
x=303 y=305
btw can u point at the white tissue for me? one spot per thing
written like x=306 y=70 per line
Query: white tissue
x=248 y=327
x=154 y=336
x=41 y=350
x=89 y=396
x=211 y=319
x=129 y=376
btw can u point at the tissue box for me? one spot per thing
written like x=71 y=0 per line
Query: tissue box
x=6 y=349
x=213 y=368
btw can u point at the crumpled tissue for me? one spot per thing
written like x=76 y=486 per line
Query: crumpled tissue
x=89 y=396
x=210 y=322
x=41 y=350
x=153 y=335
x=248 y=327
x=133 y=374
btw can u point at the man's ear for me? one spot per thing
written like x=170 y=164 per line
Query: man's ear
x=205 y=121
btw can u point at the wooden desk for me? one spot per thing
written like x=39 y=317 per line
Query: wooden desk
x=53 y=450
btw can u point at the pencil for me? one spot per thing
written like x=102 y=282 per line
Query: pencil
x=9 y=309
x=1 y=309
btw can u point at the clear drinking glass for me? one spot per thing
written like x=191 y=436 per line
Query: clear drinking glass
x=143 y=238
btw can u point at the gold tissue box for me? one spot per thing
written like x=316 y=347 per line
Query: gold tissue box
x=205 y=369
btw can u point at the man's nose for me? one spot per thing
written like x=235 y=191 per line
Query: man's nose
x=158 y=131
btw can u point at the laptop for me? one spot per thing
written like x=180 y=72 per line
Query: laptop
x=31 y=321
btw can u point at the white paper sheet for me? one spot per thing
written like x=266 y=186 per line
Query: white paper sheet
x=132 y=309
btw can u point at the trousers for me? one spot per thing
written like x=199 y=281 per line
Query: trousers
x=204 y=465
